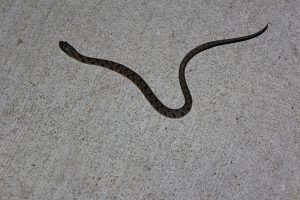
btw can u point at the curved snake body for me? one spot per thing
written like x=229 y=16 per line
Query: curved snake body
x=141 y=83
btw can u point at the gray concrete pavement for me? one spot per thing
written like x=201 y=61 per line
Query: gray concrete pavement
x=73 y=131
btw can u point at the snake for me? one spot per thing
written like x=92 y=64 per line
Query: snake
x=142 y=84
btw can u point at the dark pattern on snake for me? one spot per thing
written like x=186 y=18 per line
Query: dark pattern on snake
x=143 y=86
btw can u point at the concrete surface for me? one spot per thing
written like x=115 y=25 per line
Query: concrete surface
x=73 y=131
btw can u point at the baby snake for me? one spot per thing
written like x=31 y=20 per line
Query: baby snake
x=141 y=83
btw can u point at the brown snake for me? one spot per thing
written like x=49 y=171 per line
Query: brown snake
x=143 y=86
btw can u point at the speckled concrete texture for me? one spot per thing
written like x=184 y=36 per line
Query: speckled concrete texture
x=74 y=131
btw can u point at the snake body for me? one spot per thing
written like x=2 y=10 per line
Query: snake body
x=141 y=83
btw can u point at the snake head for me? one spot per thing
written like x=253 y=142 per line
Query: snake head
x=68 y=49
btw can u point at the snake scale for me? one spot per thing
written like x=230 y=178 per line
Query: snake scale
x=141 y=83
